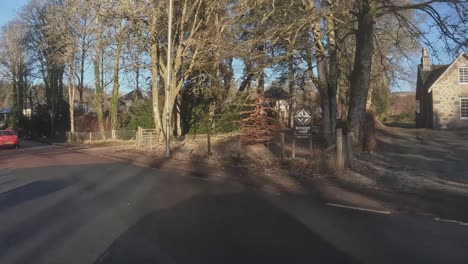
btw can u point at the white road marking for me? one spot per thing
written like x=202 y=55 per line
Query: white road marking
x=451 y=221
x=360 y=209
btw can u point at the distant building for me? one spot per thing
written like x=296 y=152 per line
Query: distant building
x=442 y=93
x=281 y=100
x=127 y=100
x=4 y=114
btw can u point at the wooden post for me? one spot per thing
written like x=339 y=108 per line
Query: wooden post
x=282 y=146
x=113 y=134
x=239 y=146
x=268 y=140
x=339 y=149
x=311 y=147
x=349 y=148
x=151 y=140
x=208 y=138
x=293 y=155
x=138 y=137
x=90 y=137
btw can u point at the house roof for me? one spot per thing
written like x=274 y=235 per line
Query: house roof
x=276 y=93
x=428 y=77
x=463 y=54
x=131 y=95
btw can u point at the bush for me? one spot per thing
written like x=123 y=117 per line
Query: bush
x=224 y=122
x=141 y=115
x=406 y=117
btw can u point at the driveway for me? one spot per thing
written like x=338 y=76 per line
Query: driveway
x=416 y=160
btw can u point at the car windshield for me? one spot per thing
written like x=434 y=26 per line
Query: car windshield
x=6 y=133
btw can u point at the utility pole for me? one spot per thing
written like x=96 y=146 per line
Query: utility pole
x=168 y=80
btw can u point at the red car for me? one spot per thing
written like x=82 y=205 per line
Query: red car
x=8 y=138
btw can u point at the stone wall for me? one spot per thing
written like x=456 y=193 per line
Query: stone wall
x=446 y=98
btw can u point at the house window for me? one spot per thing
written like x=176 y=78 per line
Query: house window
x=464 y=108
x=463 y=75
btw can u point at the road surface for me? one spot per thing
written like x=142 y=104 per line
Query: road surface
x=60 y=206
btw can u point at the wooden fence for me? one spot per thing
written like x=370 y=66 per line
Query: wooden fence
x=147 y=138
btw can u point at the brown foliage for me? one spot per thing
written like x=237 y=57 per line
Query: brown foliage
x=258 y=123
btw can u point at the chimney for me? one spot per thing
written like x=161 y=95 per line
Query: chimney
x=425 y=62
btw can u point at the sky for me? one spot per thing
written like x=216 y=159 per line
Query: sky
x=8 y=9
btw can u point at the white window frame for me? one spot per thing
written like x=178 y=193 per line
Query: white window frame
x=462 y=99
x=465 y=75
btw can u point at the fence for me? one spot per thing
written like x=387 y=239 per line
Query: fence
x=147 y=138
x=100 y=136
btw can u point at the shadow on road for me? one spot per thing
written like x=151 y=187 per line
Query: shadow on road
x=234 y=228
x=29 y=192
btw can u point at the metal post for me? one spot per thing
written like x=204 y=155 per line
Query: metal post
x=293 y=155
x=282 y=146
x=339 y=149
x=168 y=81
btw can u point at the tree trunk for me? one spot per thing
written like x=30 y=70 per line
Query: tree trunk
x=177 y=119
x=260 y=70
x=360 y=78
x=99 y=95
x=291 y=90
x=228 y=73
x=115 y=91
x=155 y=87
x=324 y=96
x=248 y=77
x=71 y=96
x=332 y=71
x=82 y=63
x=323 y=72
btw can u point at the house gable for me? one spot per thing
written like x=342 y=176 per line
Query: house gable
x=449 y=97
x=462 y=59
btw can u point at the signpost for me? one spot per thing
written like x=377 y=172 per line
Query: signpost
x=303 y=124
x=302 y=128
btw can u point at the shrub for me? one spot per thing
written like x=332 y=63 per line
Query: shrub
x=406 y=117
x=141 y=115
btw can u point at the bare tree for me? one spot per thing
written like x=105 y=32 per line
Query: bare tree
x=15 y=64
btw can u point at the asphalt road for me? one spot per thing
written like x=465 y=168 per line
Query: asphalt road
x=59 y=206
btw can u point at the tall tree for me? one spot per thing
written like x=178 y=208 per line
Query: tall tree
x=15 y=62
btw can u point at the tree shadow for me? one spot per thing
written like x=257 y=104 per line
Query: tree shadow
x=233 y=228
x=30 y=191
x=401 y=125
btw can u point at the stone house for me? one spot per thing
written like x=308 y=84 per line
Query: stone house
x=442 y=93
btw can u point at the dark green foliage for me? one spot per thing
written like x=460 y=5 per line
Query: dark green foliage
x=225 y=122
x=40 y=122
x=203 y=116
x=141 y=114
x=380 y=101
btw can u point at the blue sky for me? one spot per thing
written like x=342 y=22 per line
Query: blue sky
x=8 y=9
